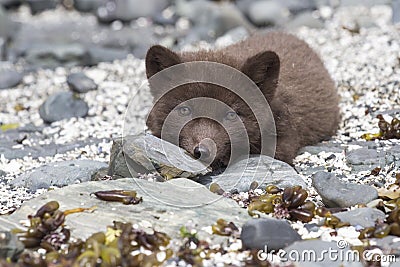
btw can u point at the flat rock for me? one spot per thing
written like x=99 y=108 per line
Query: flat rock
x=10 y=246
x=62 y=105
x=146 y=153
x=37 y=6
x=80 y=83
x=335 y=193
x=166 y=206
x=9 y=78
x=269 y=233
x=7 y=26
x=323 y=147
x=59 y=174
x=390 y=245
x=366 y=156
x=262 y=169
x=301 y=252
x=364 y=217
x=306 y=19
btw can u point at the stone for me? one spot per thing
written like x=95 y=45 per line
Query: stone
x=166 y=206
x=7 y=27
x=9 y=79
x=268 y=13
x=396 y=11
x=210 y=20
x=59 y=174
x=335 y=193
x=37 y=6
x=262 y=169
x=366 y=158
x=313 y=253
x=10 y=246
x=88 y=5
x=305 y=19
x=127 y=10
x=8 y=4
x=232 y=36
x=269 y=233
x=2 y=173
x=80 y=83
x=48 y=55
x=323 y=147
x=62 y=105
x=365 y=217
x=295 y=6
x=142 y=154
x=97 y=54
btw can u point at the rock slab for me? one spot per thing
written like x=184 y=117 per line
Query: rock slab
x=166 y=207
x=59 y=174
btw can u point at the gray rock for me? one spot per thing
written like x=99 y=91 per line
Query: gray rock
x=367 y=157
x=10 y=3
x=166 y=206
x=7 y=26
x=37 y=6
x=97 y=54
x=367 y=3
x=9 y=78
x=88 y=5
x=323 y=147
x=267 y=12
x=396 y=11
x=146 y=153
x=62 y=105
x=306 y=19
x=232 y=36
x=47 y=55
x=127 y=10
x=335 y=193
x=313 y=253
x=262 y=169
x=296 y=6
x=365 y=217
x=10 y=246
x=270 y=233
x=80 y=83
x=2 y=173
x=59 y=174
x=210 y=19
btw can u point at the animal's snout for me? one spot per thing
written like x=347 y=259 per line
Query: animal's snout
x=201 y=151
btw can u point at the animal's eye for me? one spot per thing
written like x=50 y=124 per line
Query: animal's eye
x=231 y=116
x=184 y=111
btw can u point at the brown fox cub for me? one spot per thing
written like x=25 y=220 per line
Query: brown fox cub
x=292 y=78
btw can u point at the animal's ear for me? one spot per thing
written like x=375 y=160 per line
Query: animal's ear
x=158 y=58
x=263 y=69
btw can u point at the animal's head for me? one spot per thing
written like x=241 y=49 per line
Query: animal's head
x=211 y=122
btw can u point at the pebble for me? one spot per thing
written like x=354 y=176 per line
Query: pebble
x=365 y=217
x=270 y=233
x=62 y=105
x=37 y=6
x=59 y=174
x=9 y=78
x=2 y=173
x=336 y=193
x=80 y=83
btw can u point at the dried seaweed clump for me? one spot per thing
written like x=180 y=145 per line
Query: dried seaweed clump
x=387 y=130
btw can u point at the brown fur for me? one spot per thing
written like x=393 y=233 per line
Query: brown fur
x=293 y=79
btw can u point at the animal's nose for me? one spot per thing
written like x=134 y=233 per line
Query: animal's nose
x=201 y=151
